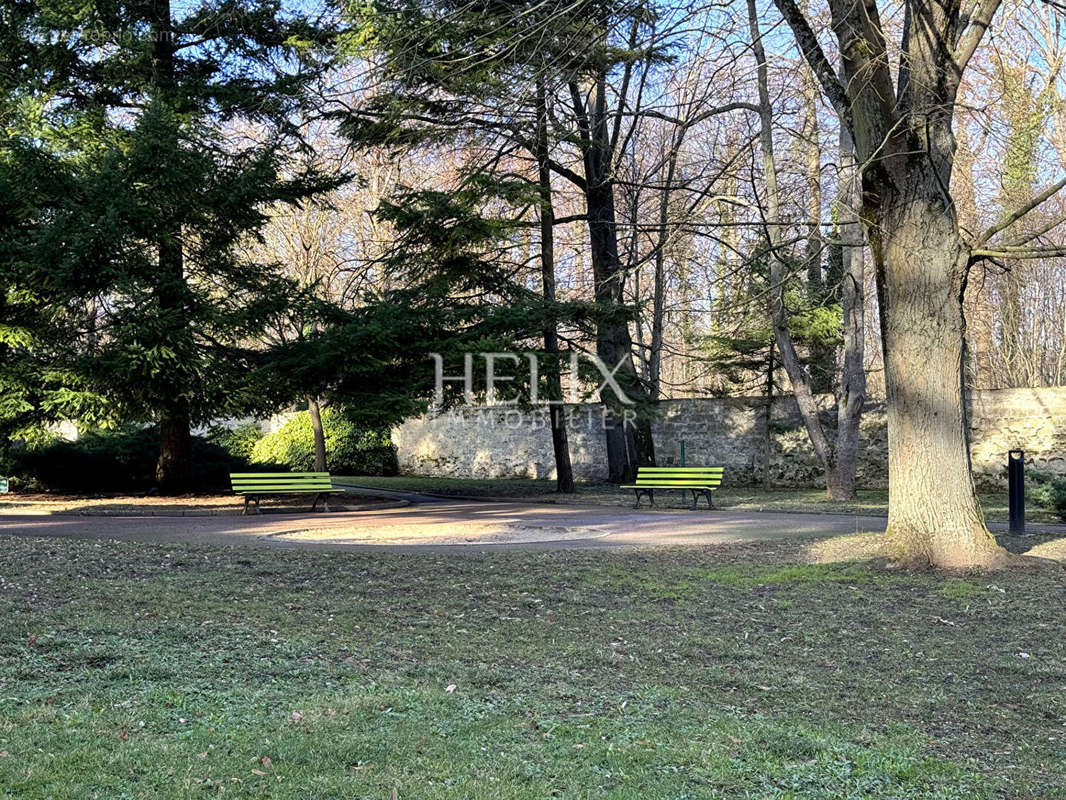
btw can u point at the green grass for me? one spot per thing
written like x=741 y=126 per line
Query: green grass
x=869 y=501
x=138 y=671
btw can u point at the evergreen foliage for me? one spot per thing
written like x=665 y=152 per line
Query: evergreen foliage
x=143 y=143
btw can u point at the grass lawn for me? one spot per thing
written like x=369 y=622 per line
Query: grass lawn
x=869 y=501
x=138 y=671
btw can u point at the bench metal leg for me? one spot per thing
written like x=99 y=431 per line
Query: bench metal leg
x=248 y=499
x=649 y=492
x=696 y=494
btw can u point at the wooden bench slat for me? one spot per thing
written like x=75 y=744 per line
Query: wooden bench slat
x=698 y=480
x=666 y=484
x=257 y=493
x=680 y=469
x=324 y=484
x=269 y=489
x=253 y=485
x=665 y=476
x=279 y=474
x=281 y=478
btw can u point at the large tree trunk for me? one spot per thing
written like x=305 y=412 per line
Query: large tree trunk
x=934 y=516
x=315 y=413
x=902 y=128
x=658 y=308
x=173 y=469
x=564 y=470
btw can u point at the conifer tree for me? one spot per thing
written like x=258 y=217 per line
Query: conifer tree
x=172 y=127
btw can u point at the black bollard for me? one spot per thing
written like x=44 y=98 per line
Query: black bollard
x=1016 y=490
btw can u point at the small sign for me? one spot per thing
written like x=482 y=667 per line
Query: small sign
x=3 y=486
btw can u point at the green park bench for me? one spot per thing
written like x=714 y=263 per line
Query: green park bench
x=698 y=480
x=254 y=485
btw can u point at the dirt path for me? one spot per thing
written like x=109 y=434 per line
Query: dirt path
x=455 y=525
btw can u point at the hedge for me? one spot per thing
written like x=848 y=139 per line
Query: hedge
x=350 y=450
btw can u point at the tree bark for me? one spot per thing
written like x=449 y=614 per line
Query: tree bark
x=564 y=471
x=934 y=514
x=658 y=319
x=768 y=420
x=851 y=397
x=627 y=444
x=173 y=469
x=839 y=459
x=315 y=413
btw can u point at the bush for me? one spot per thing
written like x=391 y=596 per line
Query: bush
x=116 y=461
x=350 y=450
x=238 y=442
x=1049 y=492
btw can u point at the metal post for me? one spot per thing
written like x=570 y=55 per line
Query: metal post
x=1016 y=490
x=682 y=452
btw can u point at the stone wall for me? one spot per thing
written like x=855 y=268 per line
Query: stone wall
x=498 y=443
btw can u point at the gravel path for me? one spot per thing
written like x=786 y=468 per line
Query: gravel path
x=431 y=523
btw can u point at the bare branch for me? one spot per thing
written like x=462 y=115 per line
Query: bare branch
x=1017 y=214
x=1006 y=252
x=975 y=31
x=566 y=172
x=812 y=51
x=1030 y=236
x=711 y=112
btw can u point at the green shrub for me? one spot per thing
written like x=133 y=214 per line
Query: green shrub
x=238 y=442
x=115 y=461
x=1049 y=492
x=350 y=450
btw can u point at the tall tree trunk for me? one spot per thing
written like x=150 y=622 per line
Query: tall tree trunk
x=851 y=397
x=822 y=360
x=315 y=413
x=564 y=471
x=934 y=515
x=173 y=469
x=813 y=249
x=768 y=421
x=655 y=358
x=839 y=485
x=627 y=444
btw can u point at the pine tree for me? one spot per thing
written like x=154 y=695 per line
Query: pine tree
x=172 y=128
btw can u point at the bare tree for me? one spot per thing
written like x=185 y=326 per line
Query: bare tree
x=839 y=456
x=905 y=145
